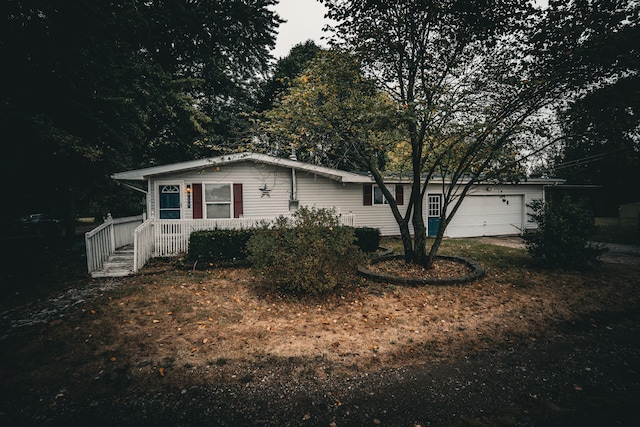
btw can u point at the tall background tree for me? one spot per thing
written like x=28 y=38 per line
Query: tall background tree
x=285 y=70
x=331 y=115
x=95 y=87
x=601 y=128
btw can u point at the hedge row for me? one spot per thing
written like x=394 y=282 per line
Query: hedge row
x=221 y=246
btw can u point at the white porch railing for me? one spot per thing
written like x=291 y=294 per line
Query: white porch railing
x=161 y=238
x=103 y=240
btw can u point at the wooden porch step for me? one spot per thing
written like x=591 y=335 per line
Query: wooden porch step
x=119 y=264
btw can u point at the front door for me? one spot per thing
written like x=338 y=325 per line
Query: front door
x=434 y=205
x=169 y=201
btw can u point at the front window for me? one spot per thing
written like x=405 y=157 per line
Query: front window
x=378 y=197
x=217 y=198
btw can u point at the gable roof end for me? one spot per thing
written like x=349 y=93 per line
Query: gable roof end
x=334 y=174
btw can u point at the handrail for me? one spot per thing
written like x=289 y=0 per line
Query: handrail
x=103 y=240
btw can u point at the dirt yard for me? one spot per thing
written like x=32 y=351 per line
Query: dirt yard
x=177 y=347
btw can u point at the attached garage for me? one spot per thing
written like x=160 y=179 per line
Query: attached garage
x=488 y=215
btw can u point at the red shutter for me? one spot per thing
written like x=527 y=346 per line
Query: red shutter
x=196 y=193
x=237 y=200
x=399 y=195
x=367 y=194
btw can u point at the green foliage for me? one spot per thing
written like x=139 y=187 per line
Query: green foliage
x=367 y=238
x=286 y=70
x=99 y=87
x=215 y=246
x=309 y=253
x=562 y=237
x=333 y=115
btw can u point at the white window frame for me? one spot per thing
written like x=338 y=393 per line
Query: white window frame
x=376 y=188
x=205 y=203
x=433 y=210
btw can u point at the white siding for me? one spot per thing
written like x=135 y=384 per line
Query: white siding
x=321 y=192
x=316 y=191
x=252 y=176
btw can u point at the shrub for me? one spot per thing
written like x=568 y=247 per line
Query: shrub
x=562 y=236
x=367 y=238
x=309 y=253
x=215 y=246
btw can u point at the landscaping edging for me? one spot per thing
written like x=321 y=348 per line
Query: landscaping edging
x=477 y=272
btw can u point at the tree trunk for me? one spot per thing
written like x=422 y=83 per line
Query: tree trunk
x=436 y=244
x=407 y=243
x=420 y=238
x=69 y=220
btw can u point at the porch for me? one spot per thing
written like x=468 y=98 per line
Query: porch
x=121 y=247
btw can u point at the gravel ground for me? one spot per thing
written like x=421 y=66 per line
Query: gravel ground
x=587 y=376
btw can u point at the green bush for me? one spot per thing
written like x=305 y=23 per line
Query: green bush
x=367 y=238
x=215 y=246
x=309 y=253
x=562 y=236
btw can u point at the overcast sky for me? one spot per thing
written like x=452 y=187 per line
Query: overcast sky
x=305 y=19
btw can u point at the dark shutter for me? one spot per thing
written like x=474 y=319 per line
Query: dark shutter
x=237 y=200
x=196 y=193
x=399 y=195
x=367 y=194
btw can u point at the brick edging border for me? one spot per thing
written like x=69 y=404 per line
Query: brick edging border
x=477 y=272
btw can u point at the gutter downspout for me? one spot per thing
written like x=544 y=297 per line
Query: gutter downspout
x=293 y=203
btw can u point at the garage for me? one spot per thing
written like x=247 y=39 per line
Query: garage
x=493 y=215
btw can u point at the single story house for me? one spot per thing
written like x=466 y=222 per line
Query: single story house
x=236 y=189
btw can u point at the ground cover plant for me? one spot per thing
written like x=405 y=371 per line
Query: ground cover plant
x=183 y=346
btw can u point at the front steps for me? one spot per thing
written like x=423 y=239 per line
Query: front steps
x=119 y=264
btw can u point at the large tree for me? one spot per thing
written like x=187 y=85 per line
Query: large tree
x=471 y=79
x=601 y=128
x=331 y=114
x=91 y=87
x=285 y=70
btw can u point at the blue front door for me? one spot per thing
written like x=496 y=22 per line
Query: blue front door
x=169 y=201
x=434 y=204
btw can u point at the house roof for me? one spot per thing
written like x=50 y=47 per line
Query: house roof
x=331 y=173
x=335 y=174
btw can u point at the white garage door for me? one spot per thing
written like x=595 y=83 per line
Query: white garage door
x=488 y=216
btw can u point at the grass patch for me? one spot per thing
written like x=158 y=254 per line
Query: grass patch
x=490 y=256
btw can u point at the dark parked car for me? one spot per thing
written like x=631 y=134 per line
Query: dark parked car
x=40 y=224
